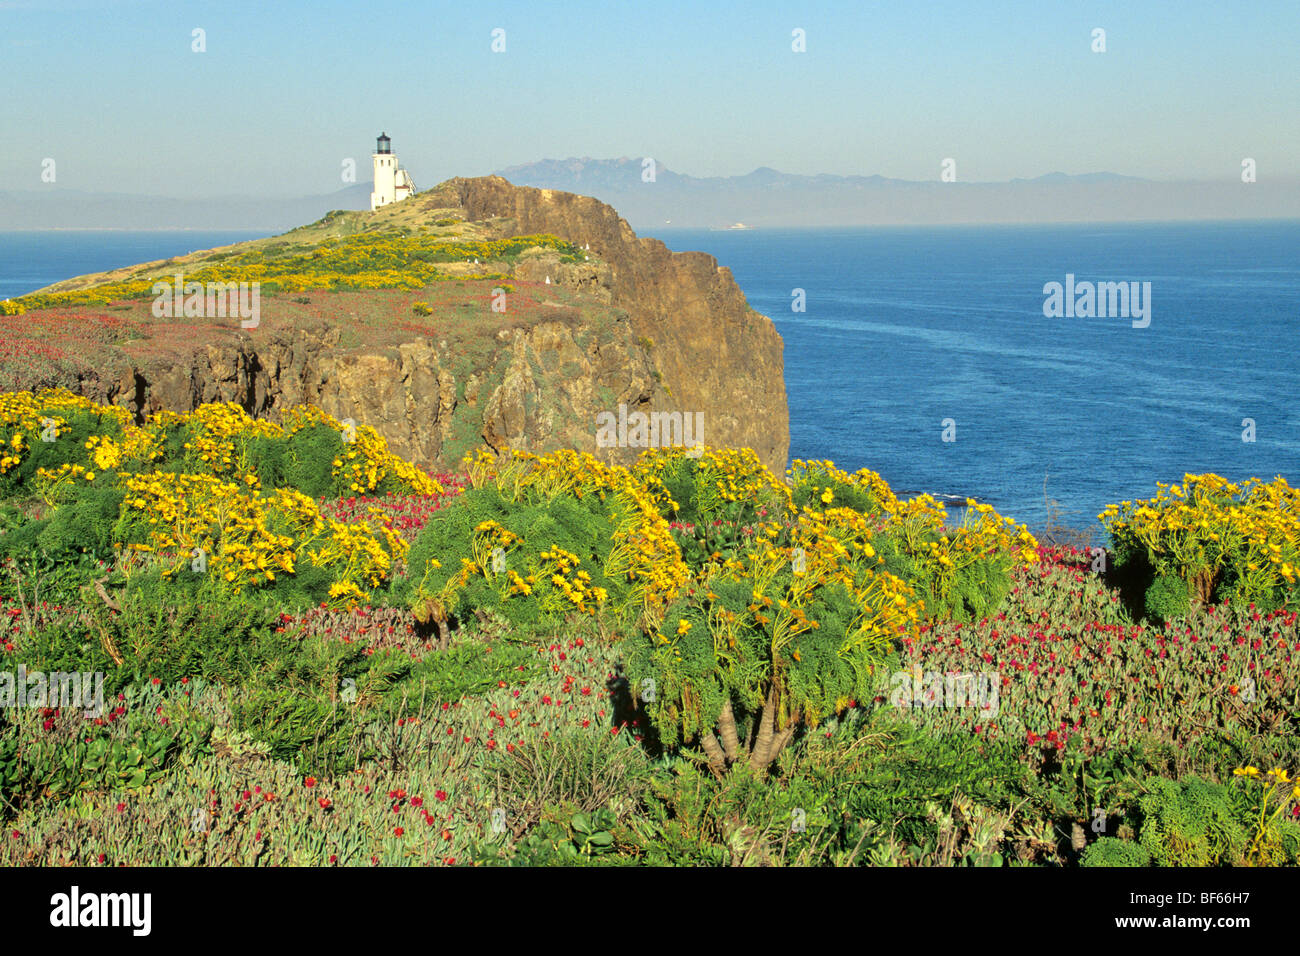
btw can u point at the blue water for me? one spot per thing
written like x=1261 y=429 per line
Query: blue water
x=33 y=260
x=906 y=327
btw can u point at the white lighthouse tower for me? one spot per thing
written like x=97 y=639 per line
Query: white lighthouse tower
x=392 y=182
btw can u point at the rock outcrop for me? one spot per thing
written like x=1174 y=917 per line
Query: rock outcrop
x=642 y=326
x=716 y=355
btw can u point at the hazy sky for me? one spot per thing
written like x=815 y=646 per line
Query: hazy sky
x=112 y=91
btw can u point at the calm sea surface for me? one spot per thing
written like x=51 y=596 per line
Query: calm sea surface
x=33 y=260
x=907 y=327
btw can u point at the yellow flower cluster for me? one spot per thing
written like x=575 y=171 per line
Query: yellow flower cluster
x=11 y=452
x=558 y=582
x=917 y=518
x=823 y=554
x=220 y=435
x=365 y=261
x=835 y=535
x=367 y=461
x=573 y=590
x=724 y=476
x=27 y=417
x=520 y=474
x=1199 y=528
x=1277 y=794
x=836 y=547
x=644 y=553
x=1276 y=775
x=491 y=539
x=837 y=538
x=941 y=549
x=53 y=485
x=826 y=472
x=224 y=430
x=27 y=410
x=202 y=518
x=982 y=534
x=104 y=452
x=96 y=295
x=354 y=555
x=245 y=539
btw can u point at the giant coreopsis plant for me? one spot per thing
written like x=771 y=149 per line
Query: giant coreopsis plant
x=545 y=541
x=777 y=639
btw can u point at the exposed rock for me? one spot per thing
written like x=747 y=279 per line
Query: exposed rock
x=715 y=354
x=664 y=331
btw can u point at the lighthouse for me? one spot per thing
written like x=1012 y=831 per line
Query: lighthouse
x=392 y=182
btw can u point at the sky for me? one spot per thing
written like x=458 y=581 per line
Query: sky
x=286 y=92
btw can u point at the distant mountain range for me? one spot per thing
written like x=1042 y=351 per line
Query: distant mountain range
x=577 y=175
x=770 y=198
x=764 y=198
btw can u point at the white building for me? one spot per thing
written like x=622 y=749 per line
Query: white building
x=392 y=182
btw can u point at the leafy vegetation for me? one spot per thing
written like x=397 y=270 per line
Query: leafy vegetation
x=373 y=260
x=301 y=650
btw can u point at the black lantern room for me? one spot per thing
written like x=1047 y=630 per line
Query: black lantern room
x=383 y=144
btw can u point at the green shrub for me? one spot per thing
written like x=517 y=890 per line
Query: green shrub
x=1112 y=851
x=302 y=460
x=718 y=499
x=168 y=628
x=583 y=772
x=76 y=427
x=970 y=592
x=743 y=819
x=469 y=669
x=583 y=839
x=550 y=567
x=1226 y=542
x=863 y=491
x=1167 y=598
x=775 y=641
x=1192 y=823
x=83 y=525
x=910 y=769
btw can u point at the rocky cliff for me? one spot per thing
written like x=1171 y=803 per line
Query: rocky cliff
x=716 y=354
x=629 y=323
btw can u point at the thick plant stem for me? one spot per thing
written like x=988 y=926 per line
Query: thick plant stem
x=713 y=750
x=727 y=730
x=770 y=741
x=780 y=740
x=760 y=758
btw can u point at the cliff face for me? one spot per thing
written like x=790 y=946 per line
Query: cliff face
x=539 y=387
x=716 y=355
x=635 y=325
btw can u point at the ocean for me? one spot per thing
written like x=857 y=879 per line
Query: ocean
x=33 y=260
x=924 y=353
x=906 y=328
